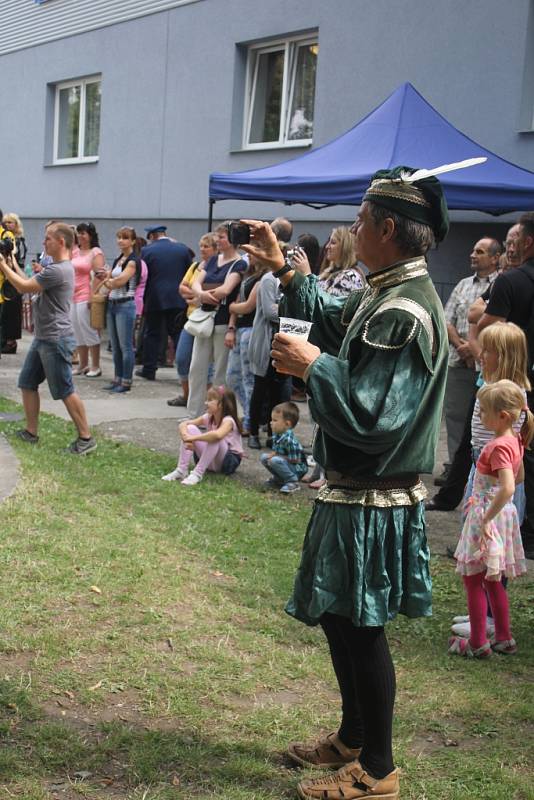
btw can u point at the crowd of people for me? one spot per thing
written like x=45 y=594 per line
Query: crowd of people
x=374 y=370
x=151 y=289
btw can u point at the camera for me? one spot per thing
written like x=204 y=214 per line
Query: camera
x=290 y=254
x=6 y=247
x=238 y=233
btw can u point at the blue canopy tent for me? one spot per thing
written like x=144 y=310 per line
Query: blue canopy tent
x=404 y=129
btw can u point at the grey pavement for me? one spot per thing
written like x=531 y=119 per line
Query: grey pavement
x=143 y=417
x=9 y=469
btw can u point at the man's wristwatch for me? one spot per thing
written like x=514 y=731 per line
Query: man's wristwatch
x=288 y=267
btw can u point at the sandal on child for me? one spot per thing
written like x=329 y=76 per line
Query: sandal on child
x=327 y=753
x=506 y=647
x=462 y=647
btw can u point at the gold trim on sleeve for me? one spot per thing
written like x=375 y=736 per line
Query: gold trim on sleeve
x=415 y=310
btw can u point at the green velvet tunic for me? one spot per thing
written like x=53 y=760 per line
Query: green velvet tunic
x=376 y=393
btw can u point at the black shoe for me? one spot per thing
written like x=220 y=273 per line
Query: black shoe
x=435 y=505
x=441 y=480
x=26 y=436
x=177 y=401
x=254 y=443
x=9 y=348
x=148 y=376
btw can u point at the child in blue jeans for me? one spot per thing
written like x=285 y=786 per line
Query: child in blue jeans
x=287 y=463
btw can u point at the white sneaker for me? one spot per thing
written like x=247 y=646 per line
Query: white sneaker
x=464 y=628
x=94 y=373
x=192 y=479
x=461 y=619
x=175 y=475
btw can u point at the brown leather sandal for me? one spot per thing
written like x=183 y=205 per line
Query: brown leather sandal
x=351 y=782
x=327 y=753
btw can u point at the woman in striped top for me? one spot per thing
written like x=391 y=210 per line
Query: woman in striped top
x=122 y=281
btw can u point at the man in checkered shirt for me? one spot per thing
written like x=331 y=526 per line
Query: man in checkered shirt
x=462 y=374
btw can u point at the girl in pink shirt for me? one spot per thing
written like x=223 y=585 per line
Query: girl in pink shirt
x=490 y=543
x=219 y=448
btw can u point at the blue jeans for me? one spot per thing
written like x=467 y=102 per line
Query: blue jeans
x=281 y=469
x=50 y=359
x=238 y=375
x=121 y=323
x=184 y=351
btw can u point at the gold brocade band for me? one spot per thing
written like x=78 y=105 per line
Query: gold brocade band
x=379 y=498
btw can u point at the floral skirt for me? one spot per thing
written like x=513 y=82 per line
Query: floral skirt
x=363 y=562
x=502 y=554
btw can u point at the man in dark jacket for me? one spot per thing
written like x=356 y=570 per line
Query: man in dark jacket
x=167 y=263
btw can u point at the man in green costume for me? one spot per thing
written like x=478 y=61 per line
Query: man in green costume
x=378 y=407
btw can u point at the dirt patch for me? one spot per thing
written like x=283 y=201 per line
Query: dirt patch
x=16 y=661
x=123 y=706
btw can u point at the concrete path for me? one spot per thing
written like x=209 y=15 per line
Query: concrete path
x=9 y=469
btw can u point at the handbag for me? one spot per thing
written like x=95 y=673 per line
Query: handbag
x=201 y=323
x=97 y=308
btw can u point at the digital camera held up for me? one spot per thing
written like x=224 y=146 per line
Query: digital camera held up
x=6 y=247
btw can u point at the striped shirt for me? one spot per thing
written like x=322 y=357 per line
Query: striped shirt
x=127 y=290
x=480 y=436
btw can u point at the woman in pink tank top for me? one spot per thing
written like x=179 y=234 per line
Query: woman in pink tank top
x=87 y=262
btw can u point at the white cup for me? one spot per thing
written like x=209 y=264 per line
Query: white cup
x=295 y=327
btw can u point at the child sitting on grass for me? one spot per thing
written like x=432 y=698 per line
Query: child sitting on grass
x=287 y=463
x=217 y=449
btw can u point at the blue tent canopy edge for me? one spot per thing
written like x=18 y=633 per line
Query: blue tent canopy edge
x=404 y=129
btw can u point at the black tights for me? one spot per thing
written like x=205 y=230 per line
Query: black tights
x=366 y=677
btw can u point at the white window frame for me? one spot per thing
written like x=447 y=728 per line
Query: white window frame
x=82 y=83
x=289 y=45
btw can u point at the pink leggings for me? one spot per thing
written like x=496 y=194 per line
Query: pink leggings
x=477 y=604
x=210 y=454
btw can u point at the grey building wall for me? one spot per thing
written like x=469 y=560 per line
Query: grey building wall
x=172 y=101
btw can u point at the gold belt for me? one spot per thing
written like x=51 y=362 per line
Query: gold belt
x=405 y=490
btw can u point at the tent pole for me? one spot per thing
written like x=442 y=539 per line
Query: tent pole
x=210 y=214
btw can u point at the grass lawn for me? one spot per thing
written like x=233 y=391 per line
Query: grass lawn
x=144 y=651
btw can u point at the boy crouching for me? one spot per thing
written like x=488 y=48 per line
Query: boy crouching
x=287 y=463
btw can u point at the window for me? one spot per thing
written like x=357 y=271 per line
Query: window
x=77 y=121
x=280 y=93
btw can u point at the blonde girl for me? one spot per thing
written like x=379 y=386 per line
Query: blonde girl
x=503 y=356
x=217 y=449
x=490 y=543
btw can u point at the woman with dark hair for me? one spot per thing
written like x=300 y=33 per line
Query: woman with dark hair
x=89 y=264
x=310 y=244
x=122 y=282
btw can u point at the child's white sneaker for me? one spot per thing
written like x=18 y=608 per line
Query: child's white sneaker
x=175 y=475
x=464 y=628
x=192 y=479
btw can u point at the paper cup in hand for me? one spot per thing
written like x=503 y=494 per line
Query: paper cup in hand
x=295 y=327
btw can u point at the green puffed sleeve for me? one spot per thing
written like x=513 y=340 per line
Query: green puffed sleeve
x=302 y=299
x=368 y=396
